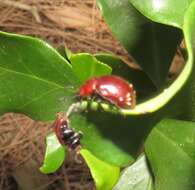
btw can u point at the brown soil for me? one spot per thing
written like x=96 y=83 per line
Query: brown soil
x=22 y=147
x=76 y=24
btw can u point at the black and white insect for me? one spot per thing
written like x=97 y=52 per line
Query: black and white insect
x=65 y=134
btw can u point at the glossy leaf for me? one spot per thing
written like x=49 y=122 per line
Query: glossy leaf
x=54 y=155
x=25 y=87
x=184 y=84
x=85 y=66
x=145 y=40
x=122 y=140
x=166 y=97
x=189 y=31
x=163 y=11
x=65 y=52
x=104 y=174
x=105 y=135
x=136 y=177
x=113 y=134
x=33 y=77
x=185 y=81
x=170 y=150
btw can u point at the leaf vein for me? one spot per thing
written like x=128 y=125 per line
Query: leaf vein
x=32 y=76
x=173 y=143
x=37 y=98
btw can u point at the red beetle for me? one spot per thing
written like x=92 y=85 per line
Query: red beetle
x=65 y=134
x=112 y=88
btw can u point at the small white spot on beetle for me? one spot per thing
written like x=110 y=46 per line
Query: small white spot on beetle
x=121 y=99
x=129 y=99
x=129 y=103
x=104 y=93
x=128 y=95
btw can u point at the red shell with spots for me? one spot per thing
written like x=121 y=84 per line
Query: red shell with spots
x=112 y=88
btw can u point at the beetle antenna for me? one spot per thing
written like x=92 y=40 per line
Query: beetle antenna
x=71 y=88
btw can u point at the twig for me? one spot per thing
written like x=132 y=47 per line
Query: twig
x=32 y=9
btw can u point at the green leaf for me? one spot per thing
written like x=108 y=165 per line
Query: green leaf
x=136 y=177
x=40 y=85
x=54 y=155
x=145 y=40
x=185 y=81
x=34 y=85
x=163 y=11
x=104 y=174
x=112 y=138
x=86 y=66
x=33 y=77
x=171 y=153
x=170 y=100
x=184 y=84
x=65 y=52
x=189 y=31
